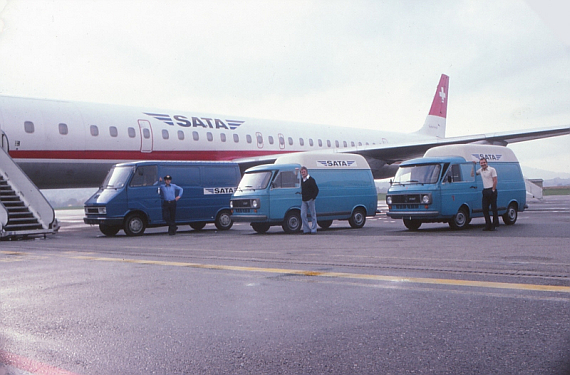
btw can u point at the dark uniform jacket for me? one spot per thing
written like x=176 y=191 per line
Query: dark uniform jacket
x=309 y=189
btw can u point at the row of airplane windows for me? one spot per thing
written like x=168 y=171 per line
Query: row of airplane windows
x=131 y=132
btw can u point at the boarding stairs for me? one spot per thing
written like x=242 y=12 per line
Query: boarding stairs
x=24 y=211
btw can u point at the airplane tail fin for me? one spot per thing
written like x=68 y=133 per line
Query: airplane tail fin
x=435 y=120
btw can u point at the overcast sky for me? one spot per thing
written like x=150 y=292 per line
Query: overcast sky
x=369 y=64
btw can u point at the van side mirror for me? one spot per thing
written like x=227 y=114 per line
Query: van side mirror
x=391 y=182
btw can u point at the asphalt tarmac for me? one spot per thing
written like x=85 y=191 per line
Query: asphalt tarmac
x=376 y=300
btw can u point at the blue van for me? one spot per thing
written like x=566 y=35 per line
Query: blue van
x=443 y=186
x=129 y=198
x=271 y=194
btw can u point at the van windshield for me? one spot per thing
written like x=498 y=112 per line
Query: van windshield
x=418 y=174
x=255 y=180
x=117 y=177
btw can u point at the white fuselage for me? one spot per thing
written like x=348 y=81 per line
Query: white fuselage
x=70 y=144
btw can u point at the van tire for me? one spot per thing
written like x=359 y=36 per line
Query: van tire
x=412 y=224
x=199 y=225
x=292 y=222
x=109 y=230
x=510 y=217
x=460 y=220
x=224 y=220
x=358 y=218
x=134 y=225
x=260 y=227
x=325 y=224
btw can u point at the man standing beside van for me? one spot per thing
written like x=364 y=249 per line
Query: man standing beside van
x=309 y=191
x=489 y=177
x=170 y=194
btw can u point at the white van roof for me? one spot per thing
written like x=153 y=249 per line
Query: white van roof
x=474 y=152
x=325 y=160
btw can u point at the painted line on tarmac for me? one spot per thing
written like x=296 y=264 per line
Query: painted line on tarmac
x=344 y=275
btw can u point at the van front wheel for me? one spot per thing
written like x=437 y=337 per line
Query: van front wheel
x=460 y=220
x=292 y=222
x=134 y=225
x=224 y=220
x=358 y=218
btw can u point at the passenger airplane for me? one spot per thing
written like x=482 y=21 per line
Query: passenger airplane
x=62 y=144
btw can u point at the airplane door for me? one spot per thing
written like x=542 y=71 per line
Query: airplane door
x=3 y=141
x=146 y=135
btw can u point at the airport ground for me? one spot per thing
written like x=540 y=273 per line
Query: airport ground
x=376 y=300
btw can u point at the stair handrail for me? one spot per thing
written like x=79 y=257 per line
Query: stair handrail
x=29 y=193
x=3 y=216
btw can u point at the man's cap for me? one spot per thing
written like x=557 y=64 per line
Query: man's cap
x=167 y=177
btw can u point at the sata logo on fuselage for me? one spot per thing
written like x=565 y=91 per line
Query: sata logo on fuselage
x=489 y=157
x=219 y=190
x=196 y=122
x=336 y=163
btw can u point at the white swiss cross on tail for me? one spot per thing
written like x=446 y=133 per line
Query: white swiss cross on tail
x=435 y=120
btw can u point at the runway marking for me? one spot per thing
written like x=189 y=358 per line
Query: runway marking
x=31 y=366
x=344 y=275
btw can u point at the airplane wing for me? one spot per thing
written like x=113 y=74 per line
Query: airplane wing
x=383 y=159
x=400 y=152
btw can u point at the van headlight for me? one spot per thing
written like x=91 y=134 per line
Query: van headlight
x=388 y=199
x=255 y=203
x=426 y=198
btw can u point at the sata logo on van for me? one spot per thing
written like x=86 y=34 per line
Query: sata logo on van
x=219 y=190
x=336 y=163
x=491 y=157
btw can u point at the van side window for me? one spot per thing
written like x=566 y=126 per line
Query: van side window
x=467 y=172
x=286 y=179
x=453 y=174
x=145 y=175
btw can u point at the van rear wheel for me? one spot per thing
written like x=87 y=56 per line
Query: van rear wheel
x=325 y=224
x=199 y=225
x=224 y=220
x=510 y=217
x=292 y=222
x=358 y=218
x=134 y=225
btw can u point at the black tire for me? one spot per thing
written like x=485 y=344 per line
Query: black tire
x=199 y=225
x=135 y=224
x=510 y=217
x=412 y=224
x=358 y=218
x=109 y=230
x=460 y=220
x=260 y=227
x=224 y=220
x=292 y=222
x=325 y=224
